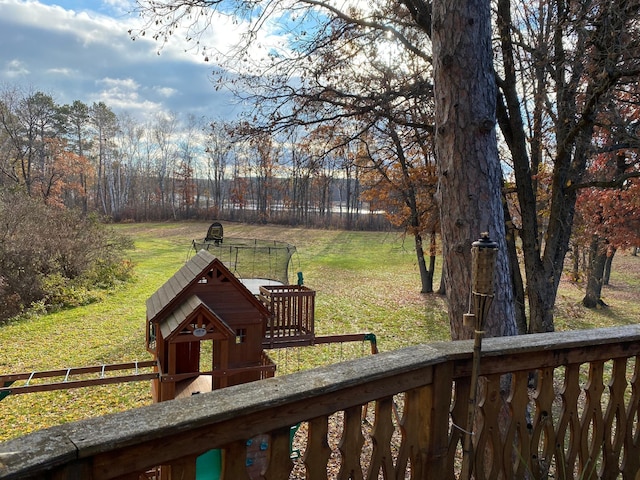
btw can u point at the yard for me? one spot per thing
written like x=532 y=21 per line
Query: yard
x=365 y=282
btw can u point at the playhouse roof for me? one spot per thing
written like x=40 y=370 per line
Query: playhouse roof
x=183 y=314
x=173 y=292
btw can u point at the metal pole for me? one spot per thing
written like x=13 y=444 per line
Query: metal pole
x=483 y=258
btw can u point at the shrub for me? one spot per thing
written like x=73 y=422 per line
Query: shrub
x=54 y=256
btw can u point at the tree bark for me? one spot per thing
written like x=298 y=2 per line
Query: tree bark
x=469 y=170
x=607 y=266
x=426 y=275
x=597 y=260
x=516 y=276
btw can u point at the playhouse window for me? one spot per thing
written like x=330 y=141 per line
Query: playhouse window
x=151 y=344
x=241 y=335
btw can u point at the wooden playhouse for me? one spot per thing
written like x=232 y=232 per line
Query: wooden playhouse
x=208 y=330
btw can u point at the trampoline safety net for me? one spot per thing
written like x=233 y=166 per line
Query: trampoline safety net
x=253 y=258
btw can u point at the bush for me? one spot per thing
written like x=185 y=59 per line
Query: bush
x=53 y=256
x=61 y=292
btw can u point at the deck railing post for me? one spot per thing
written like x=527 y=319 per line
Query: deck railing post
x=437 y=418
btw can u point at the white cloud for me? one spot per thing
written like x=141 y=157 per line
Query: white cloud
x=165 y=91
x=89 y=56
x=124 y=94
x=15 y=69
x=65 y=72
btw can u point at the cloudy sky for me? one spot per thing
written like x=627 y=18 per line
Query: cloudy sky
x=80 y=50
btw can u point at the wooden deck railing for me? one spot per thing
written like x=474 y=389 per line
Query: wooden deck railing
x=561 y=405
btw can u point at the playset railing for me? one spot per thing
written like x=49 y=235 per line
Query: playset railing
x=292 y=315
x=559 y=405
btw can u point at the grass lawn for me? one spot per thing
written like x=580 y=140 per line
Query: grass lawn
x=365 y=282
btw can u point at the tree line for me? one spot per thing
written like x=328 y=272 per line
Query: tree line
x=90 y=158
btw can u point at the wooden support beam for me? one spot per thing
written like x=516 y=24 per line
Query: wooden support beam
x=11 y=388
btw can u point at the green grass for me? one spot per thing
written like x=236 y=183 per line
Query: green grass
x=622 y=295
x=365 y=282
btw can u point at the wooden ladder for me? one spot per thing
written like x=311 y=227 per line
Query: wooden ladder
x=77 y=377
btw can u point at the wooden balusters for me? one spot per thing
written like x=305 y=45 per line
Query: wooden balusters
x=317 y=453
x=543 y=438
x=516 y=454
x=488 y=444
x=351 y=445
x=437 y=423
x=631 y=460
x=184 y=468
x=568 y=431
x=578 y=429
x=592 y=422
x=615 y=421
x=381 y=436
x=458 y=421
x=234 y=461
x=280 y=464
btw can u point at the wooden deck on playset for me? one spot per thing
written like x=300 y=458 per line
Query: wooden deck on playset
x=292 y=315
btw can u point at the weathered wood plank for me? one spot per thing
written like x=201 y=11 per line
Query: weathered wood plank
x=41 y=451
x=73 y=471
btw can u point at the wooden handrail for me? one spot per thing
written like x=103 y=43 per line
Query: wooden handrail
x=426 y=384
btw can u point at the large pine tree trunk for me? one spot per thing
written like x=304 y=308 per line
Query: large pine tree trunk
x=469 y=169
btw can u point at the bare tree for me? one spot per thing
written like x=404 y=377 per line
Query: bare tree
x=163 y=135
x=129 y=144
x=217 y=151
x=559 y=63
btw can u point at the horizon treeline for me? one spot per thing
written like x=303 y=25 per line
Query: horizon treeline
x=173 y=167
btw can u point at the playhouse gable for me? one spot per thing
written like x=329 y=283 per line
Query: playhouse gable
x=201 y=273
x=194 y=319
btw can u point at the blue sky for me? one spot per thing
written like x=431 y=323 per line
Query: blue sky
x=80 y=50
